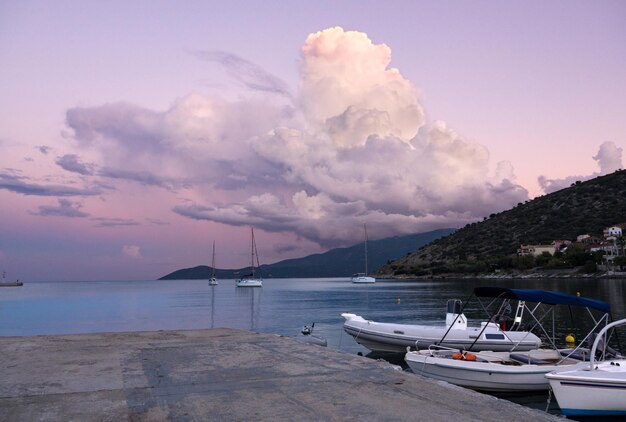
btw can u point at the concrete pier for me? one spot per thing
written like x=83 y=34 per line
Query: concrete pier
x=221 y=375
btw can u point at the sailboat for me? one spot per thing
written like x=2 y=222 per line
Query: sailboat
x=363 y=277
x=5 y=283
x=213 y=280
x=251 y=280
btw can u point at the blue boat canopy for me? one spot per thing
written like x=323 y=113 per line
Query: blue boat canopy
x=543 y=296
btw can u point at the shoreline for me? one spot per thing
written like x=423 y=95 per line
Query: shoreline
x=552 y=274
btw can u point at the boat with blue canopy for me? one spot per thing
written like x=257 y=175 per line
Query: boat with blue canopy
x=514 y=370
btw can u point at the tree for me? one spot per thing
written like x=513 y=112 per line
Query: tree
x=543 y=259
x=577 y=255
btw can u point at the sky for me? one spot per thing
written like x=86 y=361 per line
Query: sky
x=134 y=134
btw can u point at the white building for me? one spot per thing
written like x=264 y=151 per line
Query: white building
x=612 y=232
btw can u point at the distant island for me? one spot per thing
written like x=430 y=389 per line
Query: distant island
x=339 y=262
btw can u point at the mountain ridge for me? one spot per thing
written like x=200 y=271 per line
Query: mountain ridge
x=338 y=262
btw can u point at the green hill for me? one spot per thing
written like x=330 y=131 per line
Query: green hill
x=340 y=262
x=584 y=208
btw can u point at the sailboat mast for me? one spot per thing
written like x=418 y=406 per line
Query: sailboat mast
x=252 y=251
x=213 y=262
x=365 y=229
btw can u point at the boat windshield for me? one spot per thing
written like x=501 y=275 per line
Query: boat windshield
x=454 y=306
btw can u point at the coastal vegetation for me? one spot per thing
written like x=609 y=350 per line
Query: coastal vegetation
x=491 y=246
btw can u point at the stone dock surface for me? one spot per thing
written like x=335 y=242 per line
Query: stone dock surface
x=221 y=375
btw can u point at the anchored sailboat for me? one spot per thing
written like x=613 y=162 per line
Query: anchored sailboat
x=363 y=277
x=251 y=280
x=213 y=280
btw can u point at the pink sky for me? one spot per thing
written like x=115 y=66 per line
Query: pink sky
x=133 y=134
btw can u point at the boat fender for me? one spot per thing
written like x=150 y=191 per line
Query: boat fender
x=464 y=356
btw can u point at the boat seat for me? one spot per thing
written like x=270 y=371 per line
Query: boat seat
x=520 y=357
x=581 y=354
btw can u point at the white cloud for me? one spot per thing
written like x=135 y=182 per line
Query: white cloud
x=351 y=93
x=131 y=251
x=353 y=148
x=609 y=158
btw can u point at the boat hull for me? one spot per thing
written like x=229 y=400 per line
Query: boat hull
x=593 y=388
x=11 y=284
x=395 y=338
x=251 y=282
x=581 y=392
x=363 y=280
x=483 y=376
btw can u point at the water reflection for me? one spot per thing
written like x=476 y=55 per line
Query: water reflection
x=249 y=302
x=213 y=293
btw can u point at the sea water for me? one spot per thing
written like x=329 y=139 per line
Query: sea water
x=281 y=306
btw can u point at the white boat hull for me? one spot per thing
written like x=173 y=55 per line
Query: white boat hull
x=582 y=392
x=594 y=387
x=485 y=376
x=249 y=282
x=363 y=279
x=395 y=338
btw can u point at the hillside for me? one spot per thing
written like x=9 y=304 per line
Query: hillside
x=340 y=262
x=584 y=208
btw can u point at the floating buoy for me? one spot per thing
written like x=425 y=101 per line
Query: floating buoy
x=570 y=338
x=398 y=300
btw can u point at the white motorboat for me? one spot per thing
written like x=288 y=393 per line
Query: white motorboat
x=512 y=371
x=489 y=371
x=361 y=278
x=391 y=337
x=251 y=280
x=594 y=387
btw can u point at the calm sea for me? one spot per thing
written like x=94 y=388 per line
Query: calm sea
x=281 y=306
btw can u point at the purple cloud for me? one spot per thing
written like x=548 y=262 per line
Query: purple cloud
x=18 y=185
x=247 y=73
x=66 y=208
x=70 y=162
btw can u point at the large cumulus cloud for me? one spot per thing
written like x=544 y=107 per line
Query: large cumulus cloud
x=352 y=145
x=349 y=92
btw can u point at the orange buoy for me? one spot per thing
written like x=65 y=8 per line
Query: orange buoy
x=457 y=356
